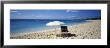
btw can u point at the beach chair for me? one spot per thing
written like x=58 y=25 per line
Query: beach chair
x=64 y=29
x=65 y=32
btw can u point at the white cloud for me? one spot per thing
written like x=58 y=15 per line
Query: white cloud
x=72 y=11
x=55 y=23
x=67 y=10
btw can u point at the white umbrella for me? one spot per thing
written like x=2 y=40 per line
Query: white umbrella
x=55 y=23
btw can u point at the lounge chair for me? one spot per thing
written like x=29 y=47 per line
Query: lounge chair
x=65 y=32
x=64 y=29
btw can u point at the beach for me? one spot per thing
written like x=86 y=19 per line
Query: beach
x=87 y=30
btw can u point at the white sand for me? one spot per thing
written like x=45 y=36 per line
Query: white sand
x=88 y=30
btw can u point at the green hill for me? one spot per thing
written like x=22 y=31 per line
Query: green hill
x=92 y=18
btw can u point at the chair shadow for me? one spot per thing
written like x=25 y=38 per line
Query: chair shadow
x=66 y=35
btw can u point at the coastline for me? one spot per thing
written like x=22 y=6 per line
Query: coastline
x=88 y=30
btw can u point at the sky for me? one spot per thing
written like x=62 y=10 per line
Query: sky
x=54 y=14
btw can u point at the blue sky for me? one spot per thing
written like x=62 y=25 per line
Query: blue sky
x=54 y=14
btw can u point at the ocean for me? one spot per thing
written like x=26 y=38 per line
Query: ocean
x=32 y=25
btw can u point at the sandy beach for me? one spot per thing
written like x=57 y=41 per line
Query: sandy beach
x=88 y=30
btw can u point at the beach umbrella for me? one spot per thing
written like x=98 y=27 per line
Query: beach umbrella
x=55 y=23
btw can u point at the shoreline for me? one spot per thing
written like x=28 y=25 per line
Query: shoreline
x=88 y=30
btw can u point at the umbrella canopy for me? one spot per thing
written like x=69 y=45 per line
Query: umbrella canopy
x=55 y=23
